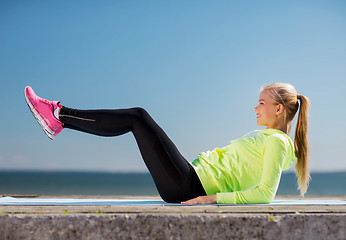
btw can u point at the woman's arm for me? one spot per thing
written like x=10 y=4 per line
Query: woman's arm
x=202 y=200
x=274 y=158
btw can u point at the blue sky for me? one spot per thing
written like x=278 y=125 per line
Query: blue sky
x=196 y=66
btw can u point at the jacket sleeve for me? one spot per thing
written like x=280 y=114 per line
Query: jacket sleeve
x=273 y=160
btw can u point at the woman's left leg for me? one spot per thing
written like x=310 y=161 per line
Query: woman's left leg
x=175 y=178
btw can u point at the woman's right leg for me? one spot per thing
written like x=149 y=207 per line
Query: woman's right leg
x=174 y=177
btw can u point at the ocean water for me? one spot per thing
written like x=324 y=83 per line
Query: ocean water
x=103 y=183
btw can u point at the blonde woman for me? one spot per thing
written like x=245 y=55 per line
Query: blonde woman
x=248 y=170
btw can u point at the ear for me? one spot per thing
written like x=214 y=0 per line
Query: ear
x=279 y=109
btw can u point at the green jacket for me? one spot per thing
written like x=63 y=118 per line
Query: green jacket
x=248 y=170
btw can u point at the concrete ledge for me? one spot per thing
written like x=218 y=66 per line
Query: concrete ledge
x=173 y=222
x=134 y=226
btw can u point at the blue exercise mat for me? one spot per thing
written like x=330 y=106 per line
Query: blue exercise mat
x=92 y=202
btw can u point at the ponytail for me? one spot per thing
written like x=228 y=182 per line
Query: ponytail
x=285 y=94
x=301 y=146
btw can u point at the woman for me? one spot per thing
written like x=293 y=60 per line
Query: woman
x=246 y=171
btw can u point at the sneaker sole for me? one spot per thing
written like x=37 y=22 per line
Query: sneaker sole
x=39 y=119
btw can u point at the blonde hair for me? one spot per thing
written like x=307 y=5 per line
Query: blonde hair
x=285 y=94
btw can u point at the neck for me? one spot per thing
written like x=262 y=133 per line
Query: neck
x=281 y=127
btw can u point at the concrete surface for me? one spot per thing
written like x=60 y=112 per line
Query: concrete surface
x=174 y=222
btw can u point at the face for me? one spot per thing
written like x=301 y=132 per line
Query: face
x=267 y=110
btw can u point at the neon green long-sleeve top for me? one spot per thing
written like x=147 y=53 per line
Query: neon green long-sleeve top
x=248 y=170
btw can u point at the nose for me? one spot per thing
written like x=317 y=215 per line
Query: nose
x=255 y=109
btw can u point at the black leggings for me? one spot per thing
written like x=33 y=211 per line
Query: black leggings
x=174 y=177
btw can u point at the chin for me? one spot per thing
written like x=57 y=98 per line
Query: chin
x=261 y=124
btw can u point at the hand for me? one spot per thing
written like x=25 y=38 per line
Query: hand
x=202 y=200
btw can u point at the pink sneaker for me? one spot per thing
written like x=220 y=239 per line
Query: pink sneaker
x=43 y=111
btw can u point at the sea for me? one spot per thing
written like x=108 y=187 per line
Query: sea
x=21 y=183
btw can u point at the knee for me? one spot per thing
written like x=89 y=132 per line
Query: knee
x=139 y=113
